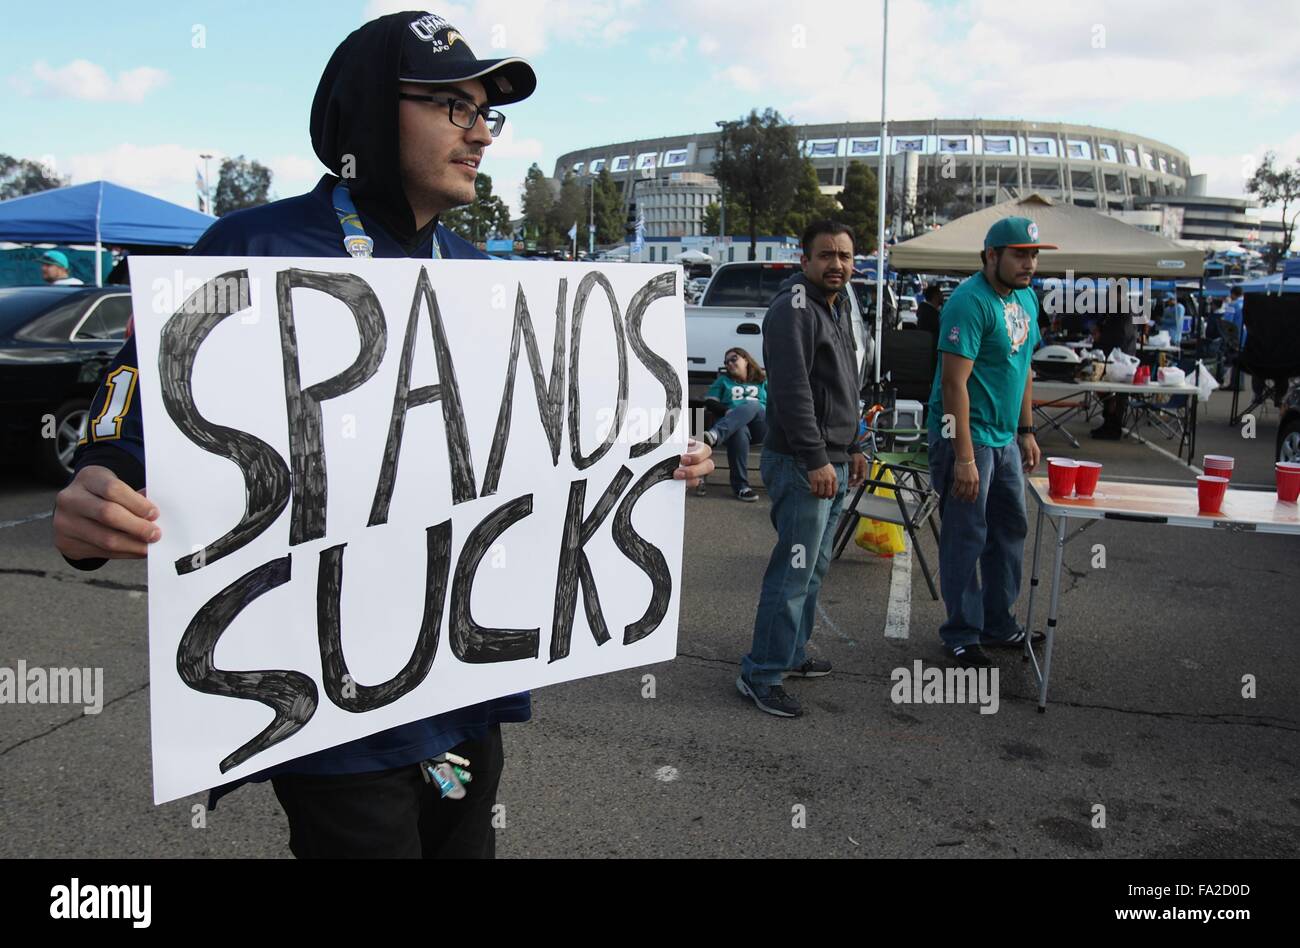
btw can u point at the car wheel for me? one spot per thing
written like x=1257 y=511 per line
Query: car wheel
x=68 y=427
x=1288 y=440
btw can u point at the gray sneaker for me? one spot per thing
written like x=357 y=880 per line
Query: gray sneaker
x=813 y=668
x=772 y=699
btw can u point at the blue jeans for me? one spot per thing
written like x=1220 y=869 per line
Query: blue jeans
x=989 y=533
x=744 y=424
x=787 y=604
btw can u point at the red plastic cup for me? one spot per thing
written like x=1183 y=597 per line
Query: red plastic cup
x=1218 y=465
x=1210 y=491
x=1142 y=375
x=1288 y=481
x=1085 y=483
x=1061 y=473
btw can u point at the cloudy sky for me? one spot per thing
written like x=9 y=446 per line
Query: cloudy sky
x=134 y=92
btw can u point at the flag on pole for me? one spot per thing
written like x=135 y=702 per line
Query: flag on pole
x=201 y=186
x=573 y=232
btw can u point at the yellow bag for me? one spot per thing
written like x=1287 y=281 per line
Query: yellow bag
x=875 y=536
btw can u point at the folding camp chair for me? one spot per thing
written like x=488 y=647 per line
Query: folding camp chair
x=914 y=502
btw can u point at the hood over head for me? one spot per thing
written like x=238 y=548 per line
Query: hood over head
x=354 y=115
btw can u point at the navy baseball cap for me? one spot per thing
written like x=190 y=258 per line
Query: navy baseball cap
x=434 y=51
x=1015 y=232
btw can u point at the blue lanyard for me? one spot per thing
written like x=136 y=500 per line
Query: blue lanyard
x=355 y=239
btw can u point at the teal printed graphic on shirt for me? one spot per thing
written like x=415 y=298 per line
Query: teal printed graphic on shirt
x=999 y=334
x=729 y=391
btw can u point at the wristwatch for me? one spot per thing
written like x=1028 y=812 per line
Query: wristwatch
x=1027 y=429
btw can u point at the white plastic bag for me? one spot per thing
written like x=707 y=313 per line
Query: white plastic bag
x=1120 y=366
x=1203 y=379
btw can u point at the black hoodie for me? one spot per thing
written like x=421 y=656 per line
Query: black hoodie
x=349 y=121
x=812 y=375
x=354 y=123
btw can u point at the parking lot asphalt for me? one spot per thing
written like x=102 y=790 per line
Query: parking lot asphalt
x=1147 y=716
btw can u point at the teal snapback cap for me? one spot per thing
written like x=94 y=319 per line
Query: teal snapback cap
x=1015 y=232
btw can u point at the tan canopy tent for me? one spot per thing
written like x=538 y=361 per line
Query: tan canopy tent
x=1091 y=244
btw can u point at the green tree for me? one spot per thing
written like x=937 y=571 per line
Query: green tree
x=1274 y=184
x=858 y=200
x=938 y=199
x=538 y=202
x=759 y=167
x=242 y=184
x=609 y=209
x=488 y=216
x=570 y=208
x=20 y=176
x=809 y=203
x=737 y=221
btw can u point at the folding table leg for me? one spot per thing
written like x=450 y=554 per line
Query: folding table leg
x=1033 y=587
x=1055 y=601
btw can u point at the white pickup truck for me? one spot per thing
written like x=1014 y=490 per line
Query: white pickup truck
x=731 y=314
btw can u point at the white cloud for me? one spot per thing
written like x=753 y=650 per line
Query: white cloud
x=508 y=146
x=291 y=174
x=82 y=79
x=1227 y=172
x=821 y=60
x=742 y=77
x=669 y=52
x=163 y=170
x=527 y=29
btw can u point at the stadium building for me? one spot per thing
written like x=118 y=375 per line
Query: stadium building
x=1103 y=168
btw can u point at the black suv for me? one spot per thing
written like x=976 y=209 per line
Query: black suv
x=55 y=343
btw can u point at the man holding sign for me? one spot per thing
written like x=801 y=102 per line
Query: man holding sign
x=402 y=117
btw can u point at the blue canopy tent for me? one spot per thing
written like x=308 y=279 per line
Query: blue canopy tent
x=1273 y=284
x=100 y=213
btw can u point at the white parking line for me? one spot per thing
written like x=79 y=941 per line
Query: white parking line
x=32 y=518
x=1159 y=450
x=898 y=619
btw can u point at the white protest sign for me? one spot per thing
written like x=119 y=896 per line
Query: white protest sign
x=393 y=488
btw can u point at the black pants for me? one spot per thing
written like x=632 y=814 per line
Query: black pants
x=1112 y=411
x=394 y=814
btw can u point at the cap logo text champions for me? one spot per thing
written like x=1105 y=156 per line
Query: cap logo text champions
x=429 y=26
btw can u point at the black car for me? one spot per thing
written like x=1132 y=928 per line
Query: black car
x=55 y=342
x=1288 y=429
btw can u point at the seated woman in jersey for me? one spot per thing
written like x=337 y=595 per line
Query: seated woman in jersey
x=738 y=398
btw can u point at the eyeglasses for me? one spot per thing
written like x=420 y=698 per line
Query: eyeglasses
x=462 y=112
x=732 y=358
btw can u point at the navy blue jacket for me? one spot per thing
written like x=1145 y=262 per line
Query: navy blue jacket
x=304 y=226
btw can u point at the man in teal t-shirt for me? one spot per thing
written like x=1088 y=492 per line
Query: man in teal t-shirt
x=982 y=441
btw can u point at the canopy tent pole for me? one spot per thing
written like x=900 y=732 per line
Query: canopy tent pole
x=880 y=197
x=99 y=244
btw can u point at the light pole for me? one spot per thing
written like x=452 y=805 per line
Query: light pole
x=207 y=184
x=722 y=208
x=880 y=195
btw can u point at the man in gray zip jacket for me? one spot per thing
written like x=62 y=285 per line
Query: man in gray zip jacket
x=810 y=458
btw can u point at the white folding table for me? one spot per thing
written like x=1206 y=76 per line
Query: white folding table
x=1049 y=395
x=1243 y=512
